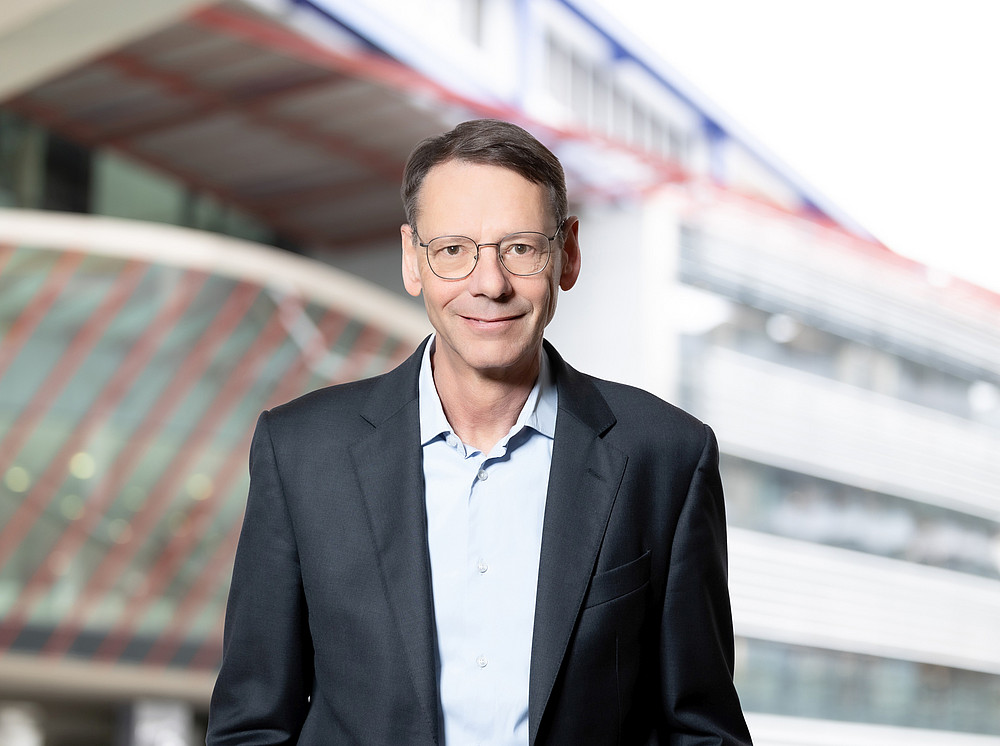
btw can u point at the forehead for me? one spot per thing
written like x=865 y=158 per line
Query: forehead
x=481 y=196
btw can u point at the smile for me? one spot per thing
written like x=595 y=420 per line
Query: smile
x=497 y=320
x=500 y=323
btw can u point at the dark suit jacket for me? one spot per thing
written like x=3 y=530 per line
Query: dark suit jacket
x=330 y=631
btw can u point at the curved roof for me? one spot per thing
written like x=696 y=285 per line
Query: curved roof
x=309 y=138
x=136 y=358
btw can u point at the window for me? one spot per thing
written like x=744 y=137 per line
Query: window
x=800 y=506
x=814 y=683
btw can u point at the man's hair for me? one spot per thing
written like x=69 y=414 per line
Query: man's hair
x=489 y=142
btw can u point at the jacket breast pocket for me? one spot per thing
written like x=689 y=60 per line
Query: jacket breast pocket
x=618 y=581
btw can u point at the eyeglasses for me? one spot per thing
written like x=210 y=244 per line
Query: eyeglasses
x=522 y=254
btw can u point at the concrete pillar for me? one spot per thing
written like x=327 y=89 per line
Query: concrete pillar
x=156 y=723
x=19 y=725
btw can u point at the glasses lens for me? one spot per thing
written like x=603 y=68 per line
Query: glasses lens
x=524 y=253
x=451 y=257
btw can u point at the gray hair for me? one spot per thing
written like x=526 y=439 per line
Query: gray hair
x=490 y=142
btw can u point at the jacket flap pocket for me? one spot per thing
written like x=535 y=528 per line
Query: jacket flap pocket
x=618 y=581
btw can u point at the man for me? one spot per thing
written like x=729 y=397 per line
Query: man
x=483 y=546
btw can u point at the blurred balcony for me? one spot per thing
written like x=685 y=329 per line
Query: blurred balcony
x=844 y=285
x=804 y=422
x=801 y=593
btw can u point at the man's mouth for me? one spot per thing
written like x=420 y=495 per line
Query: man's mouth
x=491 y=320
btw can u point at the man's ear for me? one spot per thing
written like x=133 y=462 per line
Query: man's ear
x=570 y=253
x=411 y=261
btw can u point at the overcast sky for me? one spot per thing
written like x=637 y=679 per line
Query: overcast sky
x=890 y=108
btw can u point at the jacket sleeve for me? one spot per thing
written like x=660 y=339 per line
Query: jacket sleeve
x=700 y=705
x=262 y=693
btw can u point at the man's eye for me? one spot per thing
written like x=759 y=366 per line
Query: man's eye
x=453 y=250
x=520 y=249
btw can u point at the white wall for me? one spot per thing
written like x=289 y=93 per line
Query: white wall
x=619 y=322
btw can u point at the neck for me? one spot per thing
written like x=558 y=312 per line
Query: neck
x=479 y=407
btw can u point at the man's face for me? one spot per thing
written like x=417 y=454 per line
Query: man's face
x=490 y=322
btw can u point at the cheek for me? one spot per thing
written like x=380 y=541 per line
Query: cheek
x=549 y=302
x=436 y=297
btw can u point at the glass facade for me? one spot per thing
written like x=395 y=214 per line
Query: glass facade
x=804 y=345
x=832 y=685
x=801 y=506
x=128 y=392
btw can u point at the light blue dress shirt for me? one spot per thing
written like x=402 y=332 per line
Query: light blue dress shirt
x=484 y=532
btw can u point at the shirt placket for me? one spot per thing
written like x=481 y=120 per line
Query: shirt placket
x=480 y=600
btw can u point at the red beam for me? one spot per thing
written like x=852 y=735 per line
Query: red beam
x=218 y=568
x=137 y=359
x=353 y=240
x=102 y=579
x=107 y=490
x=29 y=318
x=6 y=252
x=218 y=571
x=368 y=67
x=364 y=66
x=121 y=132
x=208 y=583
x=364 y=349
x=400 y=352
x=389 y=168
x=175 y=553
x=318 y=194
x=392 y=74
x=207 y=656
x=83 y=343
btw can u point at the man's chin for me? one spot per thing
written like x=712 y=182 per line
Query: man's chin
x=509 y=367
x=499 y=360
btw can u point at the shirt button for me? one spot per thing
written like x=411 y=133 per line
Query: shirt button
x=481 y=661
x=482 y=566
x=482 y=475
x=452 y=440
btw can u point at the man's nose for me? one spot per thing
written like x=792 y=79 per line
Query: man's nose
x=489 y=277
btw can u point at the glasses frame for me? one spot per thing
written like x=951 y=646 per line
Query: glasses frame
x=479 y=246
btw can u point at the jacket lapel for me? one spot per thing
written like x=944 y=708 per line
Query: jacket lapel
x=583 y=482
x=393 y=490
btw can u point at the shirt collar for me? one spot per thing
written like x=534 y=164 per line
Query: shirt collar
x=538 y=412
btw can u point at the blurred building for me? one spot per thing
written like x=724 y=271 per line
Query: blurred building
x=200 y=219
